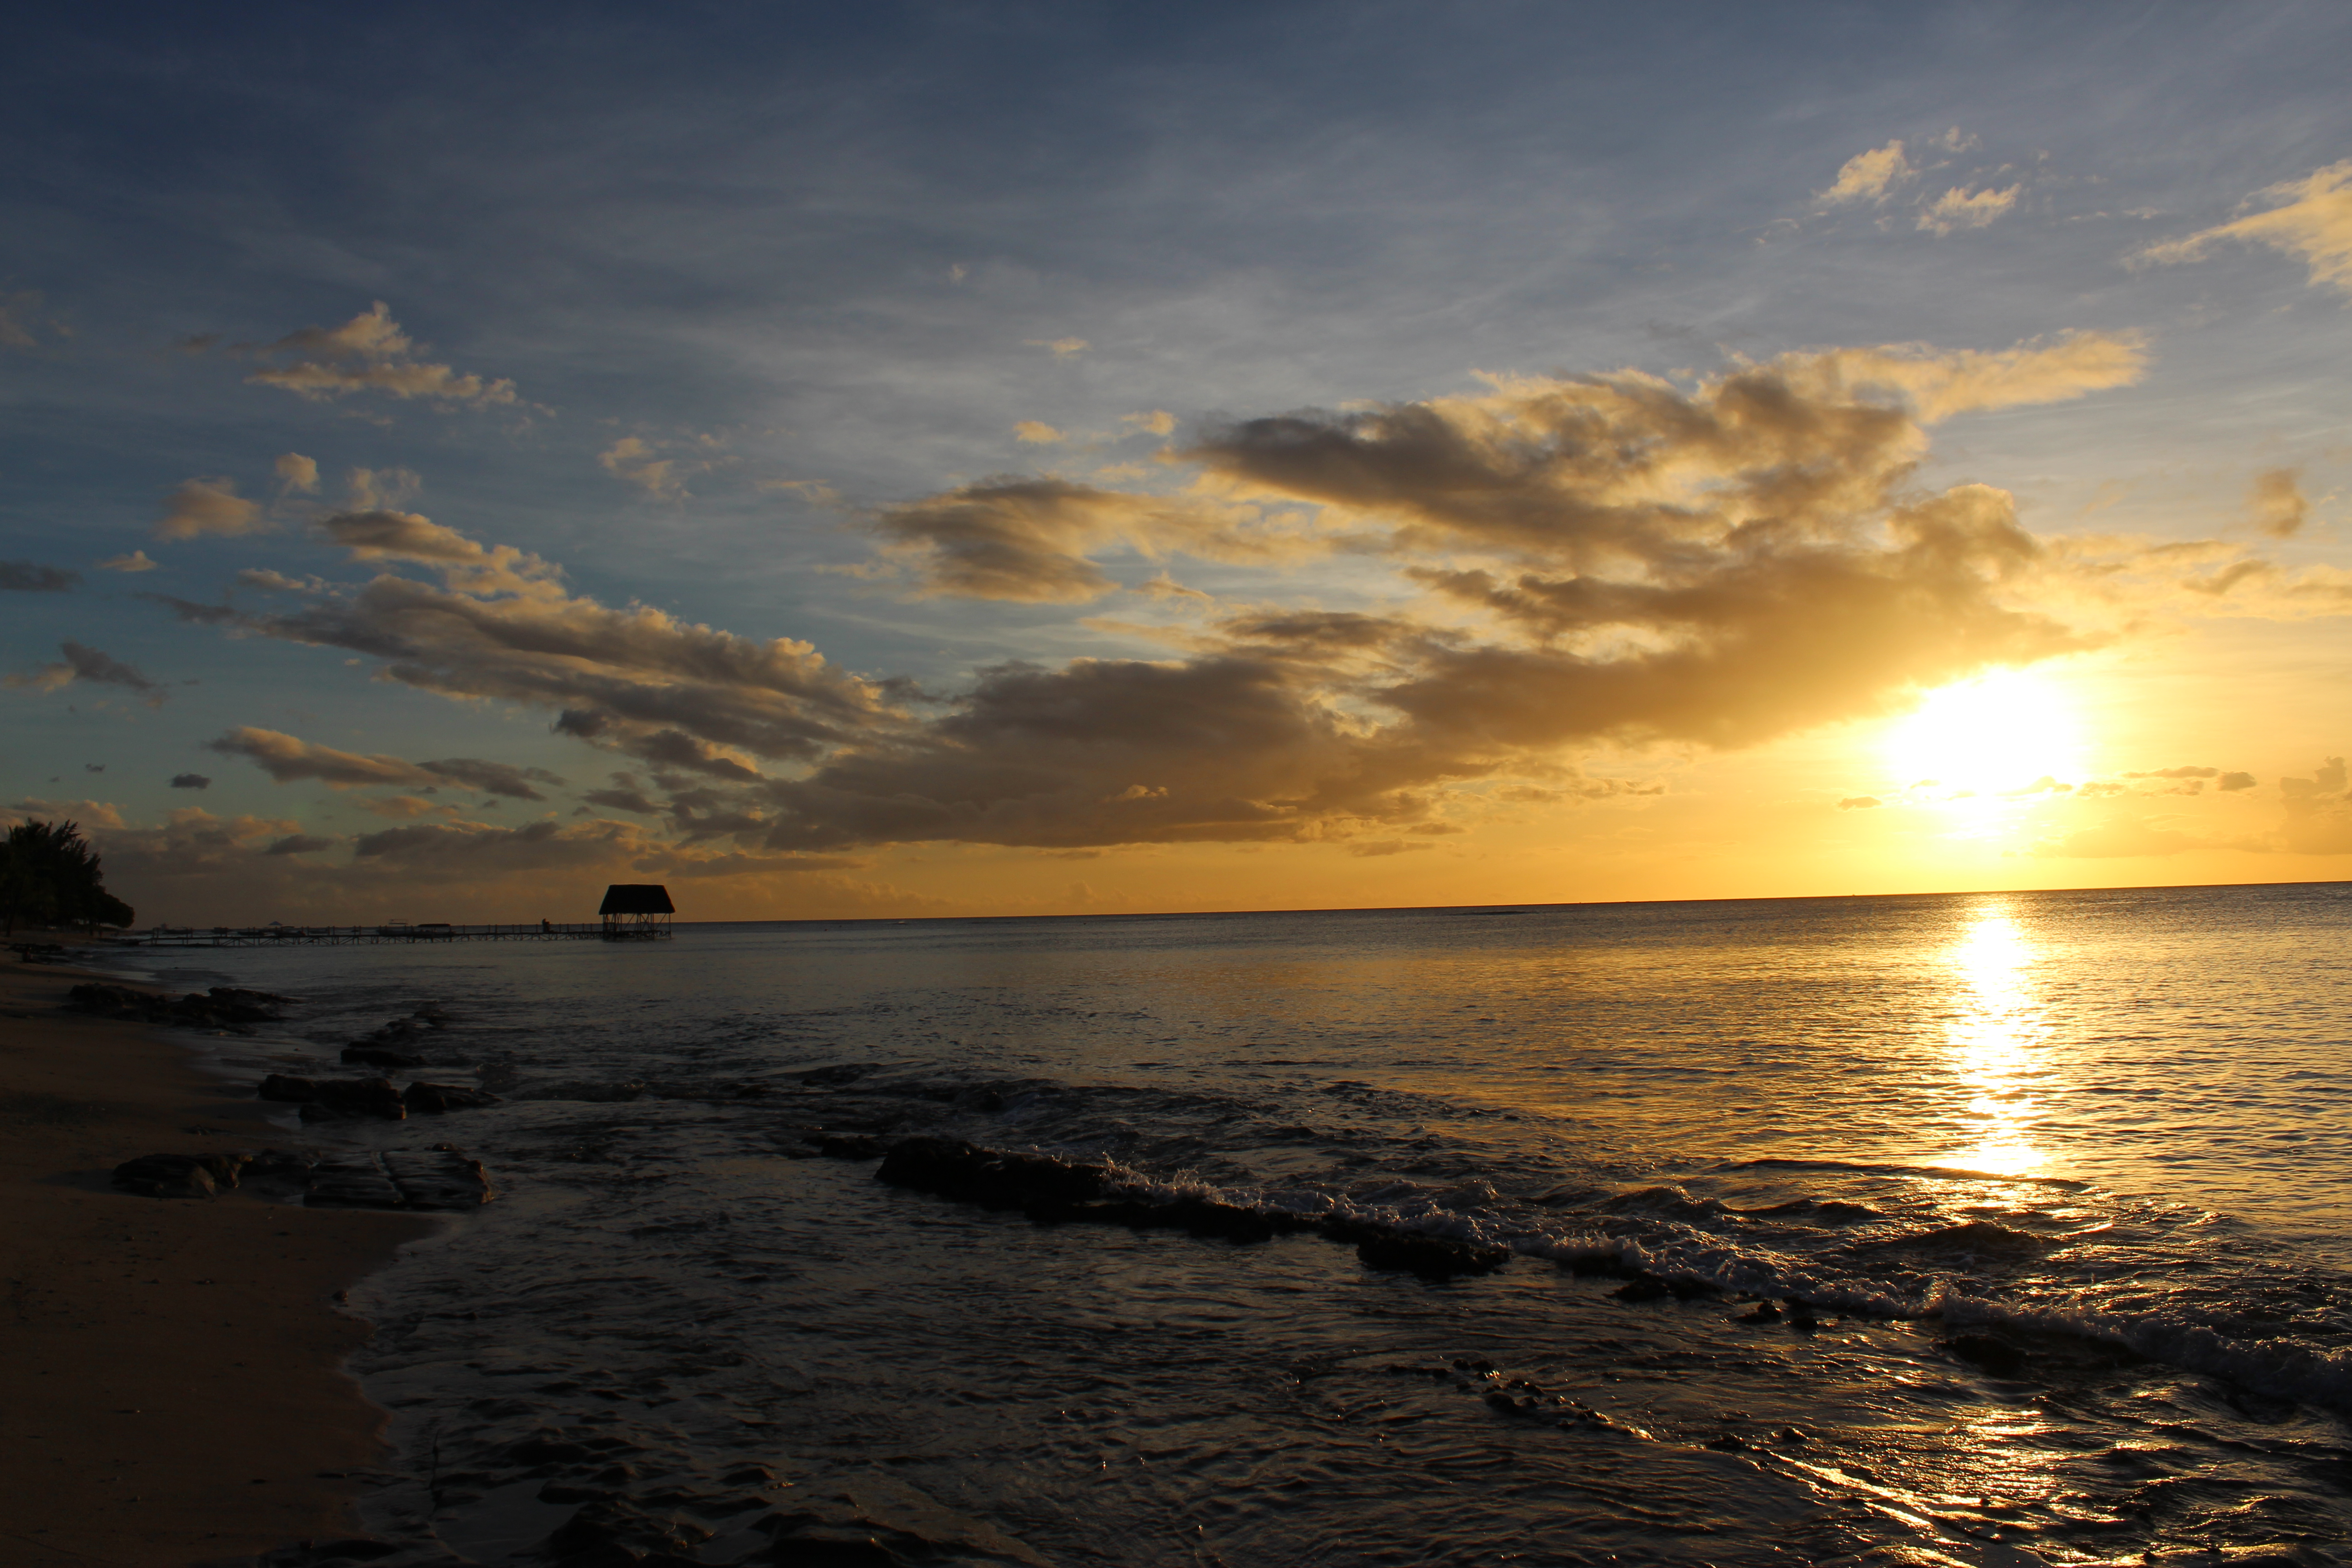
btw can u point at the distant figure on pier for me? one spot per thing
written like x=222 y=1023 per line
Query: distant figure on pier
x=547 y=927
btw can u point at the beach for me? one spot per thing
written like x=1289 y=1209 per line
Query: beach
x=172 y=1390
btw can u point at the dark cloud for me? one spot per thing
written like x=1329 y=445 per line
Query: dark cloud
x=31 y=577
x=191 y=781
x=2233 y=782
x=288 y=759
x=84 y=663
x=298 y=844
x=493 y=778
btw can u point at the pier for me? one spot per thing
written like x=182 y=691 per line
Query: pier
x=370 y=936
x=632 y=912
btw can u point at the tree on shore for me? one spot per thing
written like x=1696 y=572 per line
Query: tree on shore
x=50 y=875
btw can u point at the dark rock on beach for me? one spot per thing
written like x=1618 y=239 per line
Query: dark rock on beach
x=442 y=1179
x=1430 y=1257
x=180 y=1175
x=355 y=1097
x=993 y=1179
x=223 y=1008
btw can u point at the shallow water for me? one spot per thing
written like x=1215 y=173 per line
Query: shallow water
x=1994 y=1229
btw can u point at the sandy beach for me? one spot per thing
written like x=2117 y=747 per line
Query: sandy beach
x=172 y=1391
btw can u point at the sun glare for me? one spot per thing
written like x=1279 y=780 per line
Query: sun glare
x=1996 y=1032
x=1998 y=734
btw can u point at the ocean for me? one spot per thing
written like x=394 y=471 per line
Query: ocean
x=1993 y=1229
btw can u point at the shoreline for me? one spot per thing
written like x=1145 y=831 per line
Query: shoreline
x=175 y=1389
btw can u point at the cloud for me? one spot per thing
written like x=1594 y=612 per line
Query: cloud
x=2318 y=812
x=368 y=353
x=87 y=812
x=1869 y=176
x=299 y=844
x=632 y=460
x=1152 y=422
x=1030 y=539
x=296 y=472
x=84 y=663
x=137 y=561
x=1038 y=434
x=2275 y=504
x=493 y=778
x=1941 y=385
x=2313 y=223
x=382 y=535
x=2183 y=773
x=207 y=506
x=1611 y=559
x=2232 y=783
x=30 y=577
x=191 y=781
x=286 y=758
x=1858 y=803
x=1956 y=209
x=1380 y=847
x=1062 y=348
x=499 y=625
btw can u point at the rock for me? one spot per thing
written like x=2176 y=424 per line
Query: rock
x=951 y=1168
x=225 y=1007
x=1430 y=1257
x=179 y=1175
x=435 y=1099
x=355 y=1097
x=440 y=1179
x=277 y=1086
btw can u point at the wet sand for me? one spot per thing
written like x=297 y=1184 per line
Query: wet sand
x=171 y=1389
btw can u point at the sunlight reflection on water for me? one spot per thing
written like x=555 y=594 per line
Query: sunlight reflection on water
x=1996 y=1042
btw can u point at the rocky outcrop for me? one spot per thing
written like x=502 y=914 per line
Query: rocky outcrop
x=445 y=1179
x=400 y=1043
x=180 y=1175
x=324 y=1099
x=1052 y=1190
x=223 y=1008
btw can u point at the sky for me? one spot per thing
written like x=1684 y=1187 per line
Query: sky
x=955 y=459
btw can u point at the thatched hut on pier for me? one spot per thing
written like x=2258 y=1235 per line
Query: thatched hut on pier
x=638 y=910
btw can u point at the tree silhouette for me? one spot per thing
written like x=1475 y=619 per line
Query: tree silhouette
x=50 y=875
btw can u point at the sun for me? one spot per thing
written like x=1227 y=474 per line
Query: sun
x=1995 y=734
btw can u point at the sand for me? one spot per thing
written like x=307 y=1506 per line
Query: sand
x=171 y=1387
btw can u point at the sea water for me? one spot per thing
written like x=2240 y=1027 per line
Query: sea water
x=1993 y=1229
